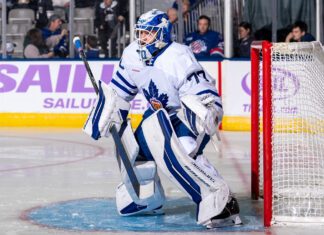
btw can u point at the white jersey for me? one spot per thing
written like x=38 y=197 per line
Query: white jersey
x=173 y=73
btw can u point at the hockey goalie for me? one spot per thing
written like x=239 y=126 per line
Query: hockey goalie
x=172 y=81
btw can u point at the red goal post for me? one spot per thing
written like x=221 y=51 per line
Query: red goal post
x=263 y=48
x=287 y=130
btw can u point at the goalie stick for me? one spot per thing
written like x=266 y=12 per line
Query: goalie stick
x=121 y=152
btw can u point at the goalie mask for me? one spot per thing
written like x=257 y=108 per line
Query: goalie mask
x=152 y=33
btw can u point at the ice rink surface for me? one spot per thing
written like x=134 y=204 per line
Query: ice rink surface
x=59 y=181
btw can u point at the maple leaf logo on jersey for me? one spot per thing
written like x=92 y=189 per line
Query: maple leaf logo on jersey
x=152 y=95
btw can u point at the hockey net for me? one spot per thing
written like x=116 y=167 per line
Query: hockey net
x=288 y=131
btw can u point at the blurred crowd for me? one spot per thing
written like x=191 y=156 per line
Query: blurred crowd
x=48 y=36
x=205 y=42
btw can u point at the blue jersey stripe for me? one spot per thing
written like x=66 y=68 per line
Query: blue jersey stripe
x=122 y=88
x=125 y=81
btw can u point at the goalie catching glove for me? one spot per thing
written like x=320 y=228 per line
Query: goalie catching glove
x=202 y=112
x=109 y=109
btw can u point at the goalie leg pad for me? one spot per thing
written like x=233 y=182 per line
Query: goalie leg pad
x=151 y=194
x=188 y=143
x=205 y=188
x=126 y=206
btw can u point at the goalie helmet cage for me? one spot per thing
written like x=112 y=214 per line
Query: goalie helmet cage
x=287 y=131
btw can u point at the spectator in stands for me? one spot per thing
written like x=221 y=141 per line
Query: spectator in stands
x=106 y=22
x=34 y=45
x=185 y=8
x=56 y=38
x=299 y=33
x=172 y=14
x=124 y=12
x=205 y=42
x=243 y=45
x=175 y=3
x=282 y=33
x=91 y=45
x=44 y=11
x=173 y=17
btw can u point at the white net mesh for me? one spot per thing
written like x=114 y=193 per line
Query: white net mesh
x=298 y=132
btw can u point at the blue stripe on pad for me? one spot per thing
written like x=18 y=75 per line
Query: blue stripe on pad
x=218 y=104
x=191 y=187
x=191 y=117
x=202 y=145
x=132 y=208
x=123 y=113
x=208 y=92
x=96 y=116
x=193 y=122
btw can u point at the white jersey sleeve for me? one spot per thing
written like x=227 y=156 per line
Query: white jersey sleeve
x=194 y=80
x=121 y=81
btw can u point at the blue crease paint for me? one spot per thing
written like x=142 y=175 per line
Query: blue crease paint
x=100 y=214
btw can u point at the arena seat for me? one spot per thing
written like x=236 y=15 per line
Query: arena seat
x=84 y=21
x=22 y=13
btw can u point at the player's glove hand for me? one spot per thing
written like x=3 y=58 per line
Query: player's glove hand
x=213 y=118
x=109 y=109
x=214 y=114
x=201 y=113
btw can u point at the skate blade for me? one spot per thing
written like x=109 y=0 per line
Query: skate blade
x=233 y=220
